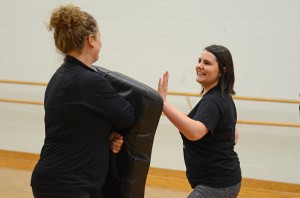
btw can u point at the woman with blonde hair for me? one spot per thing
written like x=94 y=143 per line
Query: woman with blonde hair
x=81 y=108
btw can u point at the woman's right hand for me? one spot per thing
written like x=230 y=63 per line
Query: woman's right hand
x=163 y=86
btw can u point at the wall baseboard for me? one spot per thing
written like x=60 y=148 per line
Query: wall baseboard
x=157 y=177
x=18 y=160
x=167 y=178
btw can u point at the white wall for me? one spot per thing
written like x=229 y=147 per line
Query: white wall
x=143 y=38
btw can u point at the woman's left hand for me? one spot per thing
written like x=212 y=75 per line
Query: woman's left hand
x=116 y=141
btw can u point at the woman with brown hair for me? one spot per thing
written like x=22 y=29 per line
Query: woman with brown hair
x=81 y=108
x=209 y=132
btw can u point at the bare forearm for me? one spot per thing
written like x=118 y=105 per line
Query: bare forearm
x=191 y=129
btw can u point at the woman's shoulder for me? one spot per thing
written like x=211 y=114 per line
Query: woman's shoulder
x=217 y=98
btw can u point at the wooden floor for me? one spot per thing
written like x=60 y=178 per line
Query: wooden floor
x=15 y=184
x=16 y=168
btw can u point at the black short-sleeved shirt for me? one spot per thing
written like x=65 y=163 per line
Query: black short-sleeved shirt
x=211 y=160
x=81 y=106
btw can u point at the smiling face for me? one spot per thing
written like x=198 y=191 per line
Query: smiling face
x=207 y=70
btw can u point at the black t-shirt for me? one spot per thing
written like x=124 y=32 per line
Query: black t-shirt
x=211 y=160
x=81 y=107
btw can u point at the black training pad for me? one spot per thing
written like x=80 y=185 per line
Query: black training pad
x=129 y=168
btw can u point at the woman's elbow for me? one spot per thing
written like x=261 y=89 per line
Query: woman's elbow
x=196 y=132
x=195 y=135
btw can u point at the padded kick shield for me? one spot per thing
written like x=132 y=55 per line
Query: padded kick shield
x=129 y=168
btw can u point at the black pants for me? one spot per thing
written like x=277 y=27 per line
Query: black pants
x=80 y=194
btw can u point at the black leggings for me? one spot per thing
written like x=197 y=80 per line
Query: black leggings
x=208 y=192
x=80 y=194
